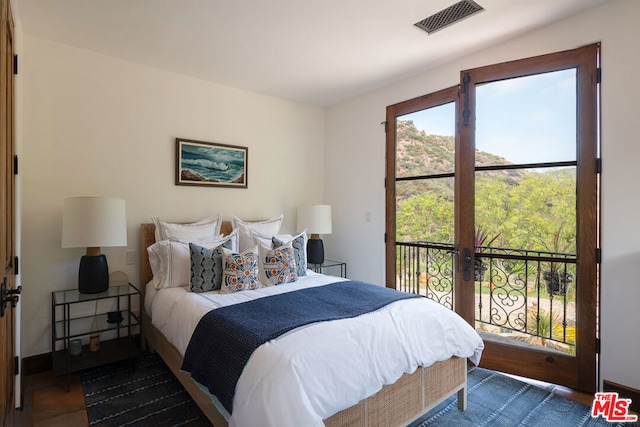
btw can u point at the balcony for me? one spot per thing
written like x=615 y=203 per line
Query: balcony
x=523 y=295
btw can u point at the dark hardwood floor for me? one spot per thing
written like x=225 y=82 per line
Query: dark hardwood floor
x=48 y=404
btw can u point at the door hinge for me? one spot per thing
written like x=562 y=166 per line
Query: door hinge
x=16 y=265
x=598 y=255
x=597 y=345
x=599 y=165
x=15 y=164
x=466 y=113
x=599 y=75
x=17 y=365
x=385 y=237
x=15 y=64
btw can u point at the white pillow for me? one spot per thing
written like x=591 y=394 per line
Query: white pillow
x=263 y=239
x=171 y=262
x=235 y=241
x=277 y=266
x=201 y=232
x=269 y=227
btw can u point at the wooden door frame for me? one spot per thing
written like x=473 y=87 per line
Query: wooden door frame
x=7 y=210
x=583 y=375
x=435 y=99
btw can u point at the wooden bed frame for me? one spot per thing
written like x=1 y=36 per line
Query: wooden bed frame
x=396 y=404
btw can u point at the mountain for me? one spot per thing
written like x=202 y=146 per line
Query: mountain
x=418 y=154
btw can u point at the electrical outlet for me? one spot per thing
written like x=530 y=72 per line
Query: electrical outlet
x=131 y=257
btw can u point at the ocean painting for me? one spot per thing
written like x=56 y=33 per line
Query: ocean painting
x=210 y=164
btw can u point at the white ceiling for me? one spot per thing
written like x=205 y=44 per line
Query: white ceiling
x=318 y=52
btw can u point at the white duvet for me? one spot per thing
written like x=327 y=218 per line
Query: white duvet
x=314 y=371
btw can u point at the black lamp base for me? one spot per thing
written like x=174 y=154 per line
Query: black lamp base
x=315 y=251
x=93 y=276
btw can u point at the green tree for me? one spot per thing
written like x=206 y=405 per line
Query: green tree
x=545 y=202
x=427 y=216
x=525 y=207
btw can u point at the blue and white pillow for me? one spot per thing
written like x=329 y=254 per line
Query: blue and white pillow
x=277 y=265
x=299 y=244
x=206 y=267
x=240 y=270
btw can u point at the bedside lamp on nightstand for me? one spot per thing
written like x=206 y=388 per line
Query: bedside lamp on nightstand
x=93 y=222
x=316 y=219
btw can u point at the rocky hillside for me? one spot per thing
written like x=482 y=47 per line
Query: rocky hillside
x=418 y=153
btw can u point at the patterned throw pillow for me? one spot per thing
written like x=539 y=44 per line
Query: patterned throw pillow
x=299 y=244
x=240 y=271
x=277 y=266
x=206 y=267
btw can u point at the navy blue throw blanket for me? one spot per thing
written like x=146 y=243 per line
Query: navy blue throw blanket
x=226 y=337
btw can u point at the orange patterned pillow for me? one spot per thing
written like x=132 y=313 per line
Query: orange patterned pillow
x=240 y=271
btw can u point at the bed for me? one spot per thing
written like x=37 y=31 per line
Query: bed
x=398 y=403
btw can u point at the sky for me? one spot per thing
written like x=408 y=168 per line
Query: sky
x=525 y=120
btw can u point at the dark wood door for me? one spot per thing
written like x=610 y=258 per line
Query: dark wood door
x=7 y=213
x=534 y=303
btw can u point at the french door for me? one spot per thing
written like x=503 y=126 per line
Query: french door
x=493 y=210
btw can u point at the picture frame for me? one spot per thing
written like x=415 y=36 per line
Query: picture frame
x=210 y=164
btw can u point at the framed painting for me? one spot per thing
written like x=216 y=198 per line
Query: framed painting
x=210 y=164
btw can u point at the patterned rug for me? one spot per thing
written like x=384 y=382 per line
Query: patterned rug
x=498 y=400
x=149 y=395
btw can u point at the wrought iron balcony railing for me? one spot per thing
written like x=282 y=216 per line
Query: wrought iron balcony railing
x=523 y=294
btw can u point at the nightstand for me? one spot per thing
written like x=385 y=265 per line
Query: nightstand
x=75 y=316
x=330 y=267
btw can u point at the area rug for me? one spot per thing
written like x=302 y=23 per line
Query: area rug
x=498 y=400
x=150 y=395
x=143 y=393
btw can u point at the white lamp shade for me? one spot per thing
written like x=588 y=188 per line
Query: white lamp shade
x=316 y=219
x=94 y=222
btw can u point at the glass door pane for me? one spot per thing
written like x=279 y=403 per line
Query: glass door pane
x=528 y=119
x=425 y=148
x=525 y=210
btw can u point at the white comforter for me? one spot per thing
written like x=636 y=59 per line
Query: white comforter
x=314 y=371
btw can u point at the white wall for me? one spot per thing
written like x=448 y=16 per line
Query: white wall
x=95 y=125
x=355 y=157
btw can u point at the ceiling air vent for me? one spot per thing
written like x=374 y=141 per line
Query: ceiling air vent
x=448 y=16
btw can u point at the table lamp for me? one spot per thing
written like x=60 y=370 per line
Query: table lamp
x=316 y=219
x=93 y=222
